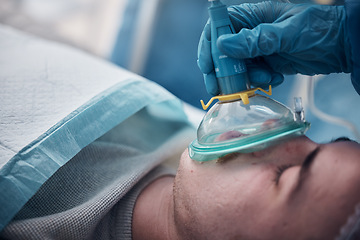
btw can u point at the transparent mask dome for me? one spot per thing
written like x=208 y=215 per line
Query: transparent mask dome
x=234 y=126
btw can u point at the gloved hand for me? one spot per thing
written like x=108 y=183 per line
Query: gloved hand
x=281 y=38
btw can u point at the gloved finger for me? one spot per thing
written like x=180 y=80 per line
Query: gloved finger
x=258 y=72
x=211 y=83
x=205 y=61
x=263 y=78
x=261 y=75
x=249 y=15
x=276 y=79
x=264 y=40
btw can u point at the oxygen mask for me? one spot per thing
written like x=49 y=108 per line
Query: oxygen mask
x=246 y=126
x=242 y=120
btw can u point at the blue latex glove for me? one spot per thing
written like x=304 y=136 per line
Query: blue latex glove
x=281 y=38
x=353 y=25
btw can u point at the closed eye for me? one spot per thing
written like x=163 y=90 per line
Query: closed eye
x=304 y=167
x=279 y=170
x=342 y=139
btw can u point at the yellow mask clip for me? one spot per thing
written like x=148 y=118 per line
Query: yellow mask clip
x=244 y=96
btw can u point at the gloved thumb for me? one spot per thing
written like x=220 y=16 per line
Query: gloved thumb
x=263 y=40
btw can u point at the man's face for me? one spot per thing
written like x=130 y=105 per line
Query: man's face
x=295 y=190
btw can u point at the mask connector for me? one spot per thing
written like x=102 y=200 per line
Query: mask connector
x=299 y=110
x=244 y=96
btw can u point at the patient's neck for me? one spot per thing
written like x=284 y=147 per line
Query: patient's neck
x=154 y=211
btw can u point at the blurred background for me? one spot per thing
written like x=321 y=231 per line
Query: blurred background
x=87 y=24
x=158 y=39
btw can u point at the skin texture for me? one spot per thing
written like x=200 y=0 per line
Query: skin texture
x=242 y=196
x=153 y=216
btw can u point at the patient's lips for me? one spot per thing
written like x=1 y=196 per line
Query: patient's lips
x=229 y=135
x=268 y=124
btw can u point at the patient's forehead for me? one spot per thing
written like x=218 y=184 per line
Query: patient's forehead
x=344 y=151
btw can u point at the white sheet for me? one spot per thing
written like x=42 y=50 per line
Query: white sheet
x=53 y=88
